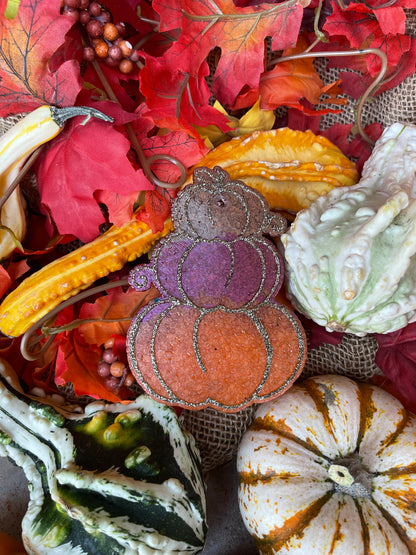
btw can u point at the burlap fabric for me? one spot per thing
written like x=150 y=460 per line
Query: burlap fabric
x=218 y=434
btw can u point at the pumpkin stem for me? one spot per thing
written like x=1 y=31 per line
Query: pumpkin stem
x=350 y=476
x=340 y=475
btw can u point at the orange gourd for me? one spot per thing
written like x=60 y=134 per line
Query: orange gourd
x=290 y=168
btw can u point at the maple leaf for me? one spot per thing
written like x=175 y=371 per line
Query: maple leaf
x=290 y=83
x=5 y=281
x=359 y=24
x=396 y=357
x=82 y=160
x=76 y=363
x=238 y=32
x=111 y=314
x=302 y=121
x=177 y=99
x=157 y=208
x=27 y=43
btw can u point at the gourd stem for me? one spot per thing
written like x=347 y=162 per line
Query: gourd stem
x=370 y=89
x=61 y=115
x=27 y=344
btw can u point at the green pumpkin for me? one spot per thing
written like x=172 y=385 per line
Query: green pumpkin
x=350 y=257
x=111 y=478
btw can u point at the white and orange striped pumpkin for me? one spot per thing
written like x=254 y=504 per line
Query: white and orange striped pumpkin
x=330 y=468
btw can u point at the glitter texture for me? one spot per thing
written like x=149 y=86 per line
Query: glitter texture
x=215 y=336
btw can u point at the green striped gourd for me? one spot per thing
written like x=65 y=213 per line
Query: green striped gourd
x=350 y=256
x=109 y=479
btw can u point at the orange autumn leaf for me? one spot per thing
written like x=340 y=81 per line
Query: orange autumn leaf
x=111 y=314
x=77 y=363
x=291 y=81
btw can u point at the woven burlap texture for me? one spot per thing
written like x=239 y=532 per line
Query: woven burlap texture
x=218 y=434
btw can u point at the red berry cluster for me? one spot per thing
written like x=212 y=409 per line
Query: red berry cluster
x=114 y=371
x=107 y=39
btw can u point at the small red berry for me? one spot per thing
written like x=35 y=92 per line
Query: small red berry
x=103 y=369
x=115 y=52
x=109 y=356
x=101 y=49
x=72 y=4
x=95 y=9
x=117 y=369
x=88 y=53
x=84 y=17
x=94 y=28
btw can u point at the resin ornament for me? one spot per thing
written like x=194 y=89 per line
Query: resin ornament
x=216 y=337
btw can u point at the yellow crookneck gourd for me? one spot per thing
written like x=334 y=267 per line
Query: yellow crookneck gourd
x=16 y=146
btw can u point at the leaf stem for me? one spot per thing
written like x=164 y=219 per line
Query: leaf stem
x=27 y=344
x=233 y=16
x=146 y=163
x=370 y=89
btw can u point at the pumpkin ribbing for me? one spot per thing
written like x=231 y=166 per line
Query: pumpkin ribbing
x=328 y=466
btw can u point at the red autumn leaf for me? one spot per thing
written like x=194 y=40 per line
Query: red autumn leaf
x=396 y=357
x=27 y=43
x=391 y=20
x=17 y=268
x=339 y=134
x=359 y=24
x=82 y=160
x=120 y=207
x=117 y=82
x=5 y=281
x=238 y=32
x=359 y=149
x=157 y=207
x=116 y=305
x=301 y=121
x=356 y=22
x=178 y=144
x=318 y=335
x=177 y=99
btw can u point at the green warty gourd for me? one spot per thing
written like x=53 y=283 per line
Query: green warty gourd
x=112 y=478
x=350 y=257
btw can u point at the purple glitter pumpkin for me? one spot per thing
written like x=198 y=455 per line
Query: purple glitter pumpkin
x=217 y=255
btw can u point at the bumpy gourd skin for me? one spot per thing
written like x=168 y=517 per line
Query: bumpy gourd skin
x=114 y=478
x=350 y=263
